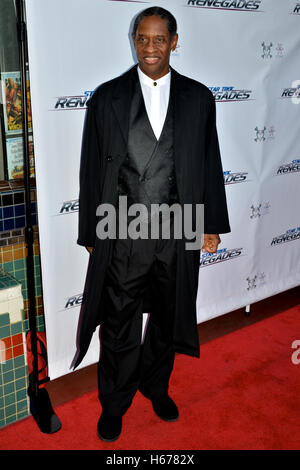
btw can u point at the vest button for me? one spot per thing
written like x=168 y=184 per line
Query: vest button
x=109 y=158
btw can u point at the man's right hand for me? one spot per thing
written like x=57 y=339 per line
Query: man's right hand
x=90 y=249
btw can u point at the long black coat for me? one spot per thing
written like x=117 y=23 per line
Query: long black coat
x=199 y=177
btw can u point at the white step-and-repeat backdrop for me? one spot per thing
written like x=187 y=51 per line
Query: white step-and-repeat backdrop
x=247 y=53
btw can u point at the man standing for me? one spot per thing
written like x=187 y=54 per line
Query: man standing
x=149 y=135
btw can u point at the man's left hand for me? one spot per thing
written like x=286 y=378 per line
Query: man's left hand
x=210 y=242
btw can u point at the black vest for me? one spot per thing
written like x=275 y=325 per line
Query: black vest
x=147 y=174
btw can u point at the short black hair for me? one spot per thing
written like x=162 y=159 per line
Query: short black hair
x=162 y=13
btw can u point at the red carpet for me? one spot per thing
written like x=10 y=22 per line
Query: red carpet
x=243 y=393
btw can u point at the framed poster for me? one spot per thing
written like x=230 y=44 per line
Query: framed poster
x=14 y=157
x=12 y=102
x=12 y=139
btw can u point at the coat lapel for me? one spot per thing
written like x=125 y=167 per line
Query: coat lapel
x=179 y=96
x=121 y=99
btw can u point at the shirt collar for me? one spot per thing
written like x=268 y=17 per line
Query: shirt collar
x=145 y=80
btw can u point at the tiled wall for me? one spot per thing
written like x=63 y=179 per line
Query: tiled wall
x=13 y=361
x=12 y=213
x=13 y=261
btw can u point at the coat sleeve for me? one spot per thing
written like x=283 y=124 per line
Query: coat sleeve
x=215 y=205
x=89 y=178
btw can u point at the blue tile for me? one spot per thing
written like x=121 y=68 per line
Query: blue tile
x=19 y=210
x=1 y=212
x=22 y=406
x=6 y=366
x=8 y=388
x=16 y=328
x=20 y=222
x=8 y=212
x=19 y=264
x=19 y=384
x=23 y=414
x=1 y=226
x=20 y=372
x=11 y=419
x=4 y=331
x=4 y=320
x=19 y=197
x=7 y=199
x=8 y=378
x=10 y=399
x=9 y=267
x=9 y=224
x=19 y=361
x=21 y=394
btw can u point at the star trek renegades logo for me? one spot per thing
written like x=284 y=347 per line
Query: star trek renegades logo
x=288 y=168
x=69 y=207
x=296 y=10
x=234 y=5
x=208 y=259
x=69 y=103
x=74 y=301
x=292 y=92
x=232 y=178
x=229 y=93
x=289 y=236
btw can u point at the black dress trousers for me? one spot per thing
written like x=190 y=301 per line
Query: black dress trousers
x=125 y=364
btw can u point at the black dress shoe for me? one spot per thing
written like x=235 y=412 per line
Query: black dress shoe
x=165 y=408
x=109 y=427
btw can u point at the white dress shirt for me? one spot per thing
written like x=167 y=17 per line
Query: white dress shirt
x=156 y=95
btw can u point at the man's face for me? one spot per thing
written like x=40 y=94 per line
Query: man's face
x=153 y=46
